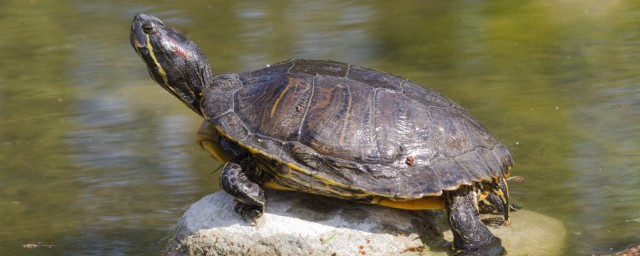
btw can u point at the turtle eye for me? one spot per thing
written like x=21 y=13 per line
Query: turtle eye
x=147 y=28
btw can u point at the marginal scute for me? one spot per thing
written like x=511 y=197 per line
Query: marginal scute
x=472 y=162
x=493 y=163
x=268 y=145
x=451 y=173
x=302 y=153
x=231 y=120
x=413 y=182
x=345 y=172
x=503 y=156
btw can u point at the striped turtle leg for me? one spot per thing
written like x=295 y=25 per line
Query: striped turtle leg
x=249 y=196
x=498 y=200
x=501 y=191
x=470 y=235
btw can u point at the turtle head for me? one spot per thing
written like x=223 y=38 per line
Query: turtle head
x=173 y=61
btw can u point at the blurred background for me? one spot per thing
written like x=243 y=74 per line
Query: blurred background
x=95 y=158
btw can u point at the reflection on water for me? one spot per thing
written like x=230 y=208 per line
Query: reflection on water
x=331 y=29
x=97 y=159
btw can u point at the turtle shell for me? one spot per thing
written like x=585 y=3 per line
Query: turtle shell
x=345 y=131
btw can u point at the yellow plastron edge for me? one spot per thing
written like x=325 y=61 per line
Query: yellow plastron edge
x=425 y=203
x=276 y=186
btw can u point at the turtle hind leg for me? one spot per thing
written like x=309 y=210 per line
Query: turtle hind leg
x=248 y=194
x=470 y=236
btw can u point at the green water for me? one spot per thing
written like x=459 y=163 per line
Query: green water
x=96 y=159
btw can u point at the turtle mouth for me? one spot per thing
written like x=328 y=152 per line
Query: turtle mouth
x=137 y=41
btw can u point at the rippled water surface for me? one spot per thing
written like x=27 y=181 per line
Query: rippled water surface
x=96 y=159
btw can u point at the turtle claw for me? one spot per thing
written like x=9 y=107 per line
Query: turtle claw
x=496 y=222
x=249 y=213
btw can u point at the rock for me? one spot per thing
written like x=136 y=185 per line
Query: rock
x=631 y=251
x=303 y=224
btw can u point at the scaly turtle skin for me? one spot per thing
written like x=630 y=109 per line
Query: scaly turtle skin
x=336 y=130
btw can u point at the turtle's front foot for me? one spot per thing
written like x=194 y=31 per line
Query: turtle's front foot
x=249 y=196
x=496 y=222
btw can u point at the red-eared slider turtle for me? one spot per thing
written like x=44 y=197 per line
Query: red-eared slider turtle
x=337 y=130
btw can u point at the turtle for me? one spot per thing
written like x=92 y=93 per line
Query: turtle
x=334 y=129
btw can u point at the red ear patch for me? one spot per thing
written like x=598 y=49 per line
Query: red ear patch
x=178 y=49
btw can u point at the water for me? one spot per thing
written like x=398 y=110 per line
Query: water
x=97 y=159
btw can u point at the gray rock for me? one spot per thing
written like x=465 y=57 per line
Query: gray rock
x=303 y=224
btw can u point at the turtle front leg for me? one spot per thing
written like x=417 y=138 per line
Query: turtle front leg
x=470 y=236
x=248 y=194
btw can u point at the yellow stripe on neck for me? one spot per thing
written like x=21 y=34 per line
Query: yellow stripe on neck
x=161 y=71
